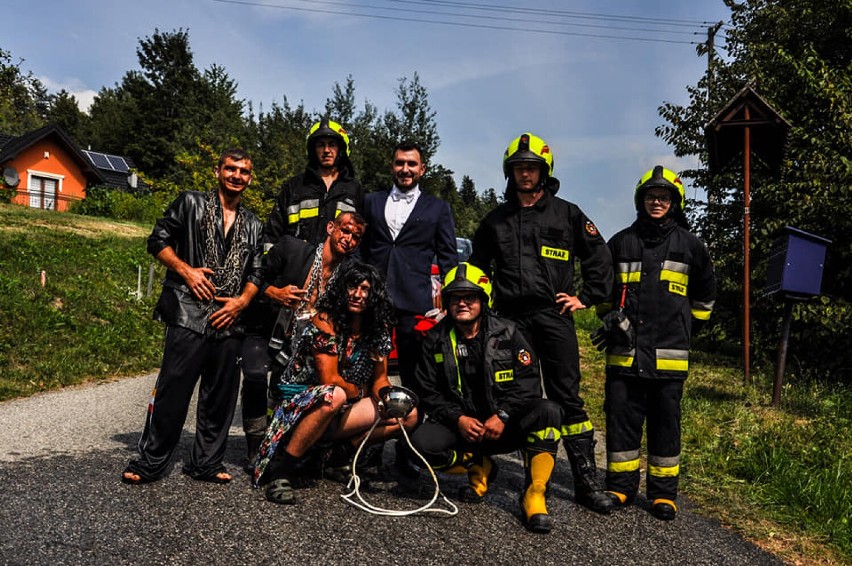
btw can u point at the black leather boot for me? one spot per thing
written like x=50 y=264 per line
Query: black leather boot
x=588 y=488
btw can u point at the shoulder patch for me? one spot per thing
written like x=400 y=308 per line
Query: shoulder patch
x=591 y=228
x=524 y=357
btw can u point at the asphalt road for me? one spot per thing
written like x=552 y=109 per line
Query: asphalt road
x=61 y=502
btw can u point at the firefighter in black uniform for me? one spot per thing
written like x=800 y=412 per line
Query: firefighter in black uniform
x=327 y=187
x=304 y=207
x=532 y=240
x=478 y=382
x=664 y=285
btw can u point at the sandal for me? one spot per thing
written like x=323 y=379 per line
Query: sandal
x=281 y=491
x=133 y=478
x=220 y=476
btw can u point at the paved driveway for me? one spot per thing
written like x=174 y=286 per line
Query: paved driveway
x=61 y=502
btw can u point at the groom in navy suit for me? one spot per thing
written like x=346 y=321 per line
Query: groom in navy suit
x=406 y=229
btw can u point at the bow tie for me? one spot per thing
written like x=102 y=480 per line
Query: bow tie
x=399 y=195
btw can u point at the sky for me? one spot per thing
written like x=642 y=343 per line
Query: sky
x=564 y=70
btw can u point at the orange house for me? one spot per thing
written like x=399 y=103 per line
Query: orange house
x=47 y=169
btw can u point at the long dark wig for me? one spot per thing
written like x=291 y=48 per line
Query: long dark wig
x=377 y=320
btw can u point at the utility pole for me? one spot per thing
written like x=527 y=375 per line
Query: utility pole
x=711 y=50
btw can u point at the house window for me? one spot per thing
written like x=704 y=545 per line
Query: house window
x=42 y=191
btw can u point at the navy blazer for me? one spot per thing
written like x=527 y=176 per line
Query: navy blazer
x=428 y=233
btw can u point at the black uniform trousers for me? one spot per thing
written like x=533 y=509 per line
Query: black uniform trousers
x=186 y=356
x=256 y=361
x=437 y=442
x=554 y=340
x=408 y=344
x=630 y=402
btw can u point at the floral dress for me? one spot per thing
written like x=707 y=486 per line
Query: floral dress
x=298 y=388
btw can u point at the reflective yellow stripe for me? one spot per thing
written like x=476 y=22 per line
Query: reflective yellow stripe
x=439 y=358
x=702 y=309
x=675 y=271
x=455 y=344
x=672 y=365
x=664 y=472
x=555 y=253
x=628 y=466
x=548 y=433
x=620 y=361
x=672 y=360
x=681 y=278
x=302 y=214
x=577 y=428
x=700 y=315
x=308 y=208
x=628 y=272
x=344 y=207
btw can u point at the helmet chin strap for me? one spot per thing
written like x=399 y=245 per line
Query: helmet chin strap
x=536 y=189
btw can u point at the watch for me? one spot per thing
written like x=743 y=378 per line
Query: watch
x=503 y=416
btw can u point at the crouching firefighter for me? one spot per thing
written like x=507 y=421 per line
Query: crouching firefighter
x=479 y=385
x=664 y=288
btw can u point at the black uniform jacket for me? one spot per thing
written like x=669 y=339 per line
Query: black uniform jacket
x=181 y=229
x=533 y=250
x=304 y=206
x=510 y=370
x=670 y=283
x=286 y=263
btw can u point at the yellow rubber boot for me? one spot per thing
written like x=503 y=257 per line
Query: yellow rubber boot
x=459 y=465
x=479 y=474
x=533 y=502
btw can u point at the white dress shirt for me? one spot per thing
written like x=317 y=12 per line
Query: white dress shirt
x=398 y=208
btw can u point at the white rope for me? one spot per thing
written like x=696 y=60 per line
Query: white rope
x=369 y=508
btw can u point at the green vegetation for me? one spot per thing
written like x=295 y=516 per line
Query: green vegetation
x=781 y=476
x=86 y=323
x=797 y=55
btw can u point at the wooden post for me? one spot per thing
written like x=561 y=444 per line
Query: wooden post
x=746 y=245
x=782 y=352
x=150 y=278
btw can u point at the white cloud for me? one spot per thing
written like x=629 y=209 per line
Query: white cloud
x=85 y=96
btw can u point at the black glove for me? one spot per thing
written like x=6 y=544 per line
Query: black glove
x=616 y=330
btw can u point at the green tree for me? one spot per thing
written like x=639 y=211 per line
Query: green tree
x=467 y=193
x=23 y=98
x=65 y=113
x=415 y=119
x=167 y=106
x=279 y=150
x=798 y=56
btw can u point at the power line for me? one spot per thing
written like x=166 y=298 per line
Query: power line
x=258 y=3
x=563 y=13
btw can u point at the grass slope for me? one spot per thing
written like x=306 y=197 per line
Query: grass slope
x=85 y=323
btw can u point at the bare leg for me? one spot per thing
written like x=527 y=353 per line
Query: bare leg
x=361 y=416
x=312 y=426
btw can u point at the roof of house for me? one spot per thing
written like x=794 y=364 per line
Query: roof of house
x=114 y=168
x=15 y=145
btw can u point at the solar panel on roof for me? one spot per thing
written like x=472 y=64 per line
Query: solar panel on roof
x=99 y=159
x=118 y=163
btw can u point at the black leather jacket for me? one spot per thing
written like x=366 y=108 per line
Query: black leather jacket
x=181 y=229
